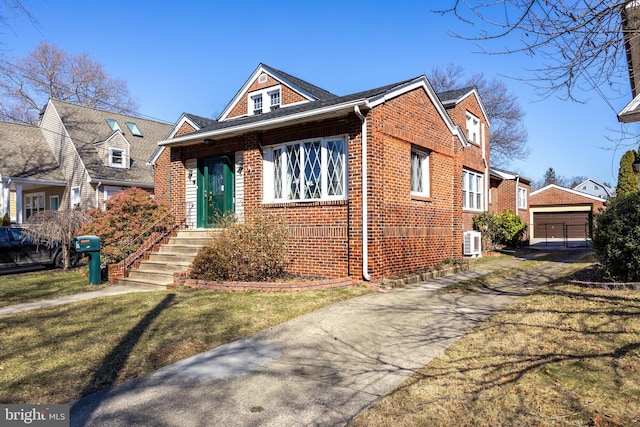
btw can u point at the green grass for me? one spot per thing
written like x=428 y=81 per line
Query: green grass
x=562 y=356
x=59 y=354
x=29 y=287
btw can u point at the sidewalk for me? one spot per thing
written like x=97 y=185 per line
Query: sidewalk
x=111 y=290
x=318 y=369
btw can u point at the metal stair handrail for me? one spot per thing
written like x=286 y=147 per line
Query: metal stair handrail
x=128 y=259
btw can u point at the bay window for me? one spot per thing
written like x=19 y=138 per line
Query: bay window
x=306 y=170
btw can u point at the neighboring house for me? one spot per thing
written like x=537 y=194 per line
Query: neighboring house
x=631 y=30
x=510 y=191
x=371 y=184
x=595 y=188
x=562 y=215
x=75 y=156
x=27 y=168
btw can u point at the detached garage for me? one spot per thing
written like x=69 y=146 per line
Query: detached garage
x=562 y=216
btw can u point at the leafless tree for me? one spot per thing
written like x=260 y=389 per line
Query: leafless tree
x=53 y=228
x=581 y=42
x=508 y=133
x=49 y=72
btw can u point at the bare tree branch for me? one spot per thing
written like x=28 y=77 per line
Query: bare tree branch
x=508 y=136
x=581 y=42
x=52 y=228
x=49 y=72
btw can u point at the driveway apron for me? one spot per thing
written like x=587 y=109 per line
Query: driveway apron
x=318 y=369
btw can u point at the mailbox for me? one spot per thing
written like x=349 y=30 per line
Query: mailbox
x=87 y=243
x=91 y=246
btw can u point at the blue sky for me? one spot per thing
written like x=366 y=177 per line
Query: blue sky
x=193 y=56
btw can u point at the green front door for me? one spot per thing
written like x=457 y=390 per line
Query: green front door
x=215 y=190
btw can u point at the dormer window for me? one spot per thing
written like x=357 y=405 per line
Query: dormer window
x=274 y=97
x=257 y=104
x=113 y=124
x=116 y=158
x=135 y=130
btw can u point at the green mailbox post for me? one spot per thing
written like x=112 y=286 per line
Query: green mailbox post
x=91 y=246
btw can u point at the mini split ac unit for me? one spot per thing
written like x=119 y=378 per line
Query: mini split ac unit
x=472 y=243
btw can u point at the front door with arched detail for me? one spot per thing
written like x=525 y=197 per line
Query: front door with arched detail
x=215 y=190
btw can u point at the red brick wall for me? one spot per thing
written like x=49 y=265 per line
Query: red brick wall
x=410 y=233
x=472 y=155
x=164 y=172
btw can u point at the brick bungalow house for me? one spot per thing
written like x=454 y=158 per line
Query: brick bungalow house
x=373 y=184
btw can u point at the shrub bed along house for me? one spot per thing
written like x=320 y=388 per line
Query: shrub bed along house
x=253 y=251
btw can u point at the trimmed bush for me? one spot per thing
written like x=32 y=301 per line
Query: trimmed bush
x=506 y=229
x=5 y=220
x=616 y=239
x=128 y=215
x=252 y=251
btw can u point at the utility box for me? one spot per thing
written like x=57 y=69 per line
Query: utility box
x=91 y=246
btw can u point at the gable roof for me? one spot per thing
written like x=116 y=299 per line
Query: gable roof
x=568 y=190
x=332 y=106
x=503 y=174
x=608 y=190
x=305 y=89
x=87 y=127
x=26 y=155
x=290 y=80
x=198 y=120
x=631 y=112
x=452 y=98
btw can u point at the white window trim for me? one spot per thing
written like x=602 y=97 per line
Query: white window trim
x=123 y=165
x=479 y=190
x=522 y=198
x=272 y=92
x=269 y=172
x=75 y=196
x=475 y=127
x=32 y=196
x=426 y=177
x=266 y=98
x=109 y=191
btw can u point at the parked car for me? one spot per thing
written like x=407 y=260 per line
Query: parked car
x=16 y=250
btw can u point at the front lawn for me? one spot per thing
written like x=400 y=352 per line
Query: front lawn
x=563 y=356
x=29 y=287
x=59 y=354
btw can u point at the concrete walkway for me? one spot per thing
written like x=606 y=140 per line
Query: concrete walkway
x=111 y=290
x=319 y=369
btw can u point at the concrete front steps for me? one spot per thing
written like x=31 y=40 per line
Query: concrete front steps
x=175 y=256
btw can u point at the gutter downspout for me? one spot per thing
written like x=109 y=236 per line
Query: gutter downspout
x=486 y=183
x=98 y=194
x=365 y=225
x=517 y=188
